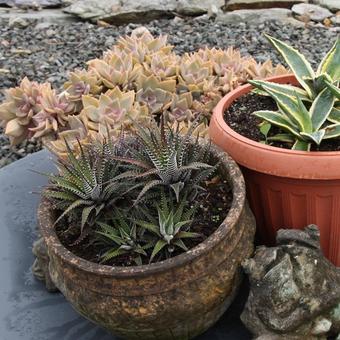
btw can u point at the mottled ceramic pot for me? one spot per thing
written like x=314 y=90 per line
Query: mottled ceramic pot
x=178 y=298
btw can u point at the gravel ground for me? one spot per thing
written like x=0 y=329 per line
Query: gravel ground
x=46 y=54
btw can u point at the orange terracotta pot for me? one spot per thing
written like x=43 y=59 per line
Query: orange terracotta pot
x=285 y=188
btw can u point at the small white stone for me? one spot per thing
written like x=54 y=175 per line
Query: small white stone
x=321 y=327
x=314 y=12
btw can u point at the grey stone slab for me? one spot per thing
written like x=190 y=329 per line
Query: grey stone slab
x=27 y=310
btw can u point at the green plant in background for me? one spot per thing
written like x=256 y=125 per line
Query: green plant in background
x=164 y=157
x=170 y=227
x=86 y=184
x=310 y=113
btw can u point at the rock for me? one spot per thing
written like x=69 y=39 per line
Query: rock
x=18 y=22
x=20 y=19
x=251 y=4
x=314 y=12
x=115 y=12
x=118 y=12
x=333 y=5
x=31 y=3
x=336 y=20
x=294 y=289
x=196 y=7
x=258 y=16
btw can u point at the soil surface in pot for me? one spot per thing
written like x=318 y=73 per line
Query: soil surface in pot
x=213 y=206
x=239 y=117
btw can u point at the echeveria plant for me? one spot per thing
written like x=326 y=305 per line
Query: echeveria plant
x=139 y=78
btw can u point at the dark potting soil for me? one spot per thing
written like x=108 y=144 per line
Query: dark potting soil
x=240 y=118
x=213 y=206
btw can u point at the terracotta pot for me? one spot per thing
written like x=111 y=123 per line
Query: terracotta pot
x=178 y=298
x=285 y=188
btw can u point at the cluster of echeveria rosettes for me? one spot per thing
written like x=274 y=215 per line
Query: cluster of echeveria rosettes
x=139 y=78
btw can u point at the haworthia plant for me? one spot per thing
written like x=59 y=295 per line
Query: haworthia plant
x=310 y=113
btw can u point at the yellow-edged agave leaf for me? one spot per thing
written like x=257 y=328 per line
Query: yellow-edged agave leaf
x=318 y=83
x=332 y=131
x=331 y=62
x=282 y=137
x=277 y=119
x=315 y=136
x=321 y=108
x=334 y=89
x=296 y=61
x=293 y=108
x=301 y=145
x=289 y=90
x=334 y=115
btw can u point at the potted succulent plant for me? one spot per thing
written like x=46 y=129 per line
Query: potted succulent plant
x=285 y=135
x=146 y=235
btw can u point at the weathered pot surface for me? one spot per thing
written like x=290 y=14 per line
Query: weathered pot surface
x=285 y=188
x=178 y=298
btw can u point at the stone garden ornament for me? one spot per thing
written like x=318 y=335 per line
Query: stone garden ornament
x=294 y=289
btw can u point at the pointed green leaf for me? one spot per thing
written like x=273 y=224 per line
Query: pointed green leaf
x=332 y=131
x=138 y=260
x=282 y=137
x=321 y=108
x=301 y=145
x=71 y=207
x=293 y=108
x=146 y=188
x=334 y=89
x=296 y=61
x=187 y=234
x=334 y=115
x=60 y=195
x=265 y=128
x=158 y=247
x=277 y=119
x=149 y=226
x=289 y=90
x=331 y=61
x=318 y=83
x=316 y=136
x=180 y=243
x=112 y=253
x=111 y=236
x=85 y=215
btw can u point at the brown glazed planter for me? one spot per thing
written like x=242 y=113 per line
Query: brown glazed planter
x=178 y=298
x=285 y=188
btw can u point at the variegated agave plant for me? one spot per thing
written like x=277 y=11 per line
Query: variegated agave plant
x=308 y=114
x=86 y=185
x=164 y=157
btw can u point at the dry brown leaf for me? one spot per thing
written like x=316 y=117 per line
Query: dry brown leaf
x=327 y=22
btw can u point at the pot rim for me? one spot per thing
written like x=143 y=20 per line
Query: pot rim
x=236 y=180
x=263 y=149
